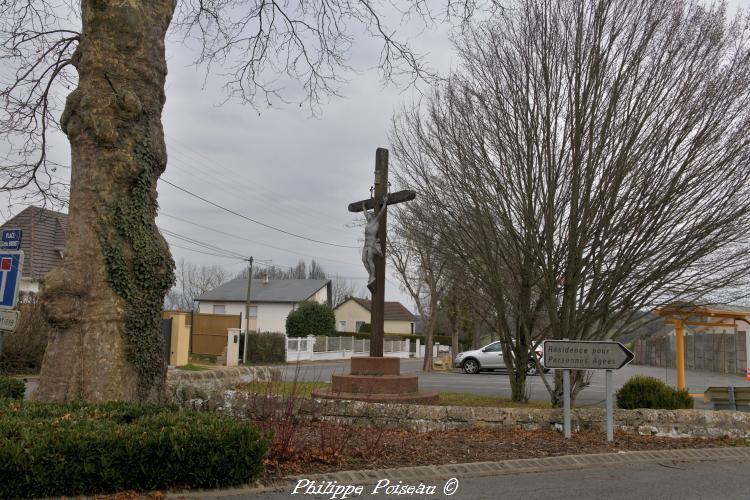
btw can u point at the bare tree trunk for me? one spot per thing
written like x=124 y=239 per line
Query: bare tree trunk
x=104 y=303
x=428 y=342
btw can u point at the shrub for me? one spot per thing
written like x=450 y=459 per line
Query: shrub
x=649 y=392
x=266 y=348
x=365 y=328
x=49 y=449
x=11 y=388
x=310 y=318
x=23 y=349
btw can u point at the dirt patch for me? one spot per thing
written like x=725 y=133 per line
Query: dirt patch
x=320 y=447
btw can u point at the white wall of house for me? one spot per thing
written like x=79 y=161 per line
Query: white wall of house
x=28 y=285
x=398 y=326
x=348 y=314
x=352 y=312
x=271 y=317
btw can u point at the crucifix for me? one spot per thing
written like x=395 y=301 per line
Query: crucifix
x=373 y=253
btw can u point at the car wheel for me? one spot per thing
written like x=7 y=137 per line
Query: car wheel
x=471 y=366
x=531 y=368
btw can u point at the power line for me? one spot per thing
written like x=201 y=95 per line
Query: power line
x=197 y=155
x=251 y=219
x=172 y=244
x=257 y=242
x=228 y=253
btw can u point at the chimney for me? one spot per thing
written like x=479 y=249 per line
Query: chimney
x=266 y=278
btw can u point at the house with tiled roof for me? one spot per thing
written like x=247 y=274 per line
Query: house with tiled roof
x=271 y=301
x=355 y=312
x=43 y=243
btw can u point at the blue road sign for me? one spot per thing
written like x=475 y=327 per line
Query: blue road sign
x=11 y=265
x=11 y=239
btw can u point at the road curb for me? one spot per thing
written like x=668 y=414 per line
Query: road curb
x=478 y=469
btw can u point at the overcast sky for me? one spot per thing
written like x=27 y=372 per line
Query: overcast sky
x=281 y=167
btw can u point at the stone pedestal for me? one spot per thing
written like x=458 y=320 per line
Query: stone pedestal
x=376 y=379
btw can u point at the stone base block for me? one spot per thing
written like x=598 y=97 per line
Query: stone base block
x=375 y=366
x=375 y=384
x=412 y=397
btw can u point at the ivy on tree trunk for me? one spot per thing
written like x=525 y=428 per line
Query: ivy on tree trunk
x=104 y=303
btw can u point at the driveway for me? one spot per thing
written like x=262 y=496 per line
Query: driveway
x=496 y=383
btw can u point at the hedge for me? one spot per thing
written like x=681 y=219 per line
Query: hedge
x=266 y=348
x=310 y=318
x=50 y=449
x=649 y=392
x=11 y=388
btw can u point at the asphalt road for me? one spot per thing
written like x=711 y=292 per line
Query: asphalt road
x=716 y=479
x=496 y=383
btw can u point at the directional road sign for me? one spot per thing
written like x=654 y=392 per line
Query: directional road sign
x=11 y=264
x=11 y=239
x=585 y=355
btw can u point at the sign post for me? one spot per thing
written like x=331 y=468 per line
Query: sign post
x=11 y=266
x=569 y=355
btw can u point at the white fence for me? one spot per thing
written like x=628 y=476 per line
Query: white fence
x=437 y=349
x=323 y=348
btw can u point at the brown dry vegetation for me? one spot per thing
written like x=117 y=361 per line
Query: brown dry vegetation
x=324 y=447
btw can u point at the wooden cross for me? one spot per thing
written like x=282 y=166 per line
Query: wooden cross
x=376 y=203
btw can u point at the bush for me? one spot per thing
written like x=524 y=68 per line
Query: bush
x=365 y=328
x=49 y=449
x=649 y=392
x=23 y=349
x=266 y=348
x=310 y=318
x=11 y=388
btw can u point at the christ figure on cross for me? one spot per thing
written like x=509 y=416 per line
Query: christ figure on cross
x=372 y=245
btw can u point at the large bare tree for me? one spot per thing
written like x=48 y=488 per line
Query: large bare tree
x=600 y=152
x=104 y=302
x=192 y=281
x=421 y=266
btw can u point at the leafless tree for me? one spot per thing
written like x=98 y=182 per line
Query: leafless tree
x=599 y=152
x=342 y=289
x=421 y=266
x=117 y=266
x=193 y=281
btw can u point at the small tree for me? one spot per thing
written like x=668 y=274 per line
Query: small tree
x=310 y=318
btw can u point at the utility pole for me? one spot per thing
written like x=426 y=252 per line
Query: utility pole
x=247 y=308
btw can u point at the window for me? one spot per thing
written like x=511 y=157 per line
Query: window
x=412 y=328
x=220 y=309
x=358 y=325
x=253 y=311
x=496 y=347
x=342 y=326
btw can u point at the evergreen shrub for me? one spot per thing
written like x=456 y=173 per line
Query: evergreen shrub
x=51 y=449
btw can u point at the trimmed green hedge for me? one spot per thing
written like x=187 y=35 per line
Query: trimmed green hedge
x=649 y=392
x=266 y=348
x=11 y=388
x=49 y=449
x=310 y=318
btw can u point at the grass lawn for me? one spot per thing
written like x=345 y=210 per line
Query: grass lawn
x=193 y=368
x=304 y=389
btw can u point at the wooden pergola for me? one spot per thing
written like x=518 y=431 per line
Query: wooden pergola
x=679 y=315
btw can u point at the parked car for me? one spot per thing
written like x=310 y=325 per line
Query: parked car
x=490 y=357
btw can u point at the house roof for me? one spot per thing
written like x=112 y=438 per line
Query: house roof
x=273 y=291
x=393 y=311
x=43 y=239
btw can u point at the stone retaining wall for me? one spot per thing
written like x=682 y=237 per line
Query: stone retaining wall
x=184 y=386
x=669 y=423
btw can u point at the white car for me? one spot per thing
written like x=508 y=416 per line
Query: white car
x=490 y=357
